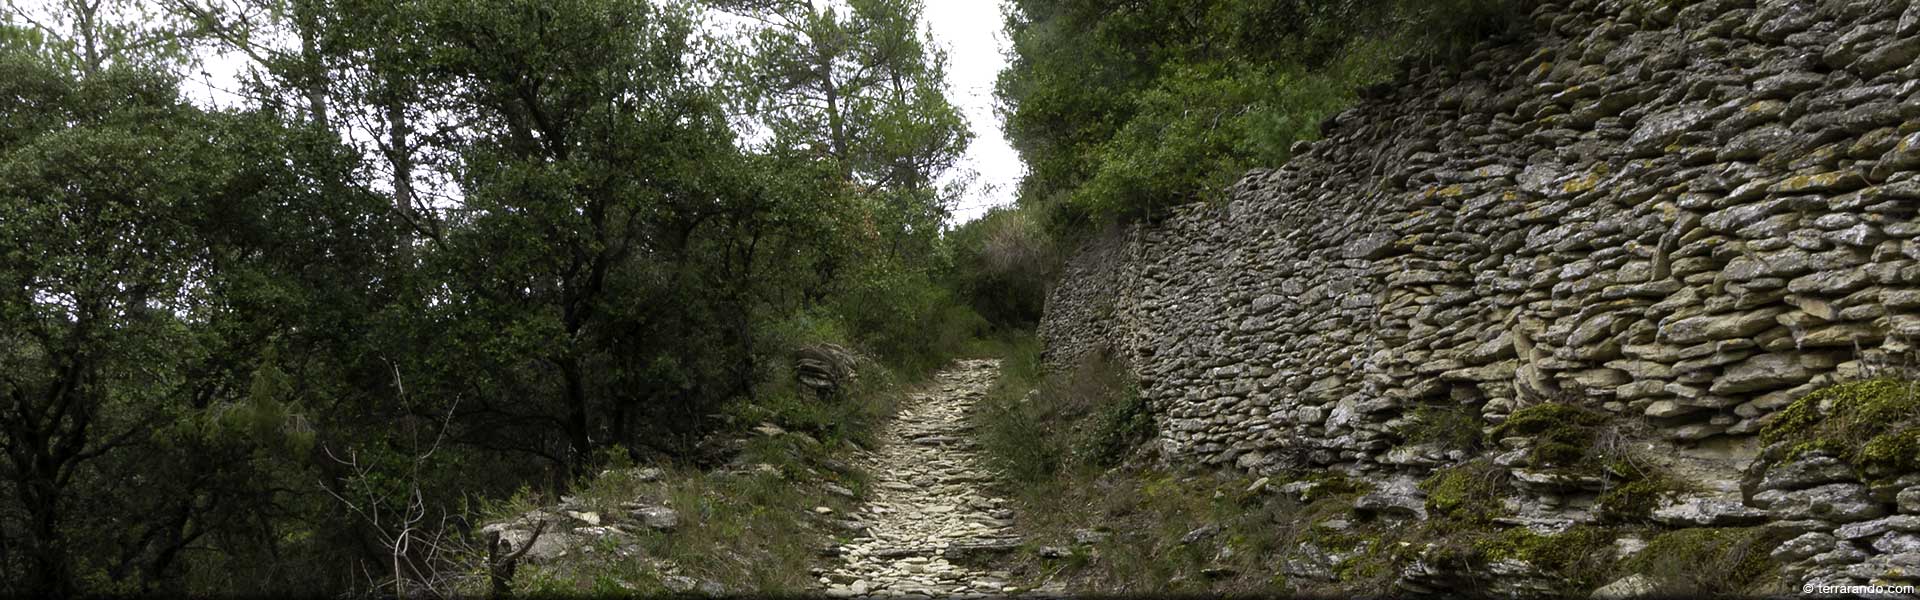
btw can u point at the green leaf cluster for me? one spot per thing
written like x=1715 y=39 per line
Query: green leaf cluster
x=1123 y=111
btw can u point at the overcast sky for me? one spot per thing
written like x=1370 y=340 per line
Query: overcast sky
x=976 y=49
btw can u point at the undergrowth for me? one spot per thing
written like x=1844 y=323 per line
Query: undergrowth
x=1561 y=434
x=1466 y=495
x=1448 y=427
x=1037 y=427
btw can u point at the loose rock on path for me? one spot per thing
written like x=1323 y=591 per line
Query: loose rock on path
x=928 y=513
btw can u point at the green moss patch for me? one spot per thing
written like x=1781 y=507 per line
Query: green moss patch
x=1581 y=556
x=1562 y=434
x=1872 y=423
x=1467 y=494
x=1635 y=500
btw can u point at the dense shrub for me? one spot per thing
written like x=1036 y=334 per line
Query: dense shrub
x=1122 y=113
x=1037 y=426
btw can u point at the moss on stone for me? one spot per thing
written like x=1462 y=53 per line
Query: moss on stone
x=1561 y=433
x=1800 y=183
x=1873 y=424
x=1579 y=556
x=1368 y=563
x=1893 y=451
x=1635 y=500
x=1465 y=495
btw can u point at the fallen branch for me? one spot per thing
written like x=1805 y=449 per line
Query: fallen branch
x=500 y=568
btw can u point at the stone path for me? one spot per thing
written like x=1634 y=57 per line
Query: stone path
x=929 y=518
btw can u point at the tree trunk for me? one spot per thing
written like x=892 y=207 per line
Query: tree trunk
x=836 y=123
x=313 y=76
x=399 y=155
x=49 y=573
x=578 y=439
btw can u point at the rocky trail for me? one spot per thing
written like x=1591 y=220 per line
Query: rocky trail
x=931 y=522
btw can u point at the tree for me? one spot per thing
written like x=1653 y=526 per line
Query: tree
x=861 y=86
x=361 y=69
x=592 y=162
x=83 y=303
x=525 y=231
x=88 y=36
x=157 y=259
x=1122 y=112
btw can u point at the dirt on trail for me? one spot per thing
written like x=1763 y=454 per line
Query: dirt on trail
x=933 y=525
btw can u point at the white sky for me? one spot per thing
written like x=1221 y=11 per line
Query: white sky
x=970 y=30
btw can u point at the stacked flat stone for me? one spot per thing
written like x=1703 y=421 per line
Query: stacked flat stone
x=1690 y=213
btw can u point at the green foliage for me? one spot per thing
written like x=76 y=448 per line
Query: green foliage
x=907 y=318
x=1872 y=423
x=1003 y=263
x=1122 y=114
x=1117 y=430
x=541 y=249
x=863 y=87
x=93 y=36
x=1562 y=435
x=172 y=319
x=1038 y=427
x=1635 y=499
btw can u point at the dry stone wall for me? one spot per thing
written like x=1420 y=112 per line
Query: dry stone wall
x=1684 y=213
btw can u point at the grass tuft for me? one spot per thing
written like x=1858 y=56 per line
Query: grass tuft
x=1720 y=561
